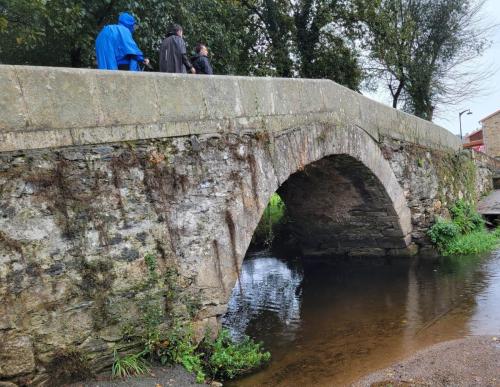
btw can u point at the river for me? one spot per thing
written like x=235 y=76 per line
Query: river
x=330 y=323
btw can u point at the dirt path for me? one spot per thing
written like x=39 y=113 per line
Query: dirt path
x=473 y=361
x=159 y=377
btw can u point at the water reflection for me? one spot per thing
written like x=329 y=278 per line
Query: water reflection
x=269 y=296
x=486 y=319
x=330 y=323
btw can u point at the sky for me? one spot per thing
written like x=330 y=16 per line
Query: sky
x=481 y=105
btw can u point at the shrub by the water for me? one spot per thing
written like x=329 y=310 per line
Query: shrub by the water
x=177 y=347
x=443 y=232
x=466 y=217
x=464 y=234
x=221 y=358
x=227 y=359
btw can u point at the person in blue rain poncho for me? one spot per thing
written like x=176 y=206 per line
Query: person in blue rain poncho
x=115 y=47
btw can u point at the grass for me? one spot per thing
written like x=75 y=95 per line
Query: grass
x=129 y=365
x=464 y=234
x=473 y=243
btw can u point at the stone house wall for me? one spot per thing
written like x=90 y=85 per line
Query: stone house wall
x=491 y=135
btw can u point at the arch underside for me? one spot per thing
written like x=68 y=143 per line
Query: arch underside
x=337 y=206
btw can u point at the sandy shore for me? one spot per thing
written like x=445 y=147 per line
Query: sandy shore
x=473 y=361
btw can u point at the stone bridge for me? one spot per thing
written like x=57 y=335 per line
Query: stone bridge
x=123 y=194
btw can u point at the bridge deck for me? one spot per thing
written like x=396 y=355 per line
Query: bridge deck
x=490 y=205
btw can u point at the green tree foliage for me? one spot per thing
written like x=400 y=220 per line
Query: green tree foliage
x=418 y=46
x=63 y=32
x=325 y=32
x=52 y=32
x=307 y=38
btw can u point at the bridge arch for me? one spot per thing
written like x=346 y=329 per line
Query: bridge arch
x=338 y=188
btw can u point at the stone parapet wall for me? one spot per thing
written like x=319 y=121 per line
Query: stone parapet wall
x=54 y=107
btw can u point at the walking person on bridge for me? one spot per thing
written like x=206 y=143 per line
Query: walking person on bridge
x=115 y=47
x=173 y=54
x=200 y=60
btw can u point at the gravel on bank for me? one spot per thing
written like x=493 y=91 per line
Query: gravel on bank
x=473 y=361
x=158 y=377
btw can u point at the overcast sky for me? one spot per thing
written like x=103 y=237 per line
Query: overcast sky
x=482 y=105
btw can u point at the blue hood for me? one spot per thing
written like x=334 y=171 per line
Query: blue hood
x=127 y=20
x=115 y=45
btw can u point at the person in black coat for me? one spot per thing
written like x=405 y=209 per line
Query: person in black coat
x=200 y=60
x=173 y=57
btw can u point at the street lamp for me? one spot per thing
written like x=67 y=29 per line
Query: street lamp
x=460 y=120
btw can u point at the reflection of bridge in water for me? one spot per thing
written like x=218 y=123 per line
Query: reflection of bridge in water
x=267 y=289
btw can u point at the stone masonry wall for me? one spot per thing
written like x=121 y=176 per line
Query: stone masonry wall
x=433 y=181
x=83 y=228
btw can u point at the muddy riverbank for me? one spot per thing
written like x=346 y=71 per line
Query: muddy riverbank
x=473 y=361
x=158 y=376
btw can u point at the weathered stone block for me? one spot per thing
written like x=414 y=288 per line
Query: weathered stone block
x=12 y=105
x=287 y=97
x=16 y=355
x=57 y=98
x=125 y=98
x=222 y=98
x=181 y=99
x=256 y=96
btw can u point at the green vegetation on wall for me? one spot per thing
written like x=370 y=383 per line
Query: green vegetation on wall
x=456 y=176
x=465 y=233
x=168 y=337
x=268 y=226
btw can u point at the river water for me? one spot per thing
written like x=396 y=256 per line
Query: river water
x=330 y=323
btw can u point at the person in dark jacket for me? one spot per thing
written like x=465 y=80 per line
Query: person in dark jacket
x=115 y=47
x=200 y=60
x=173 y=55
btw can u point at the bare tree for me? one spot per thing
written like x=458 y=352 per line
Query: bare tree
x=421 y=48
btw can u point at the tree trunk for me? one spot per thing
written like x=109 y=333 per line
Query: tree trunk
x=395 y=96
